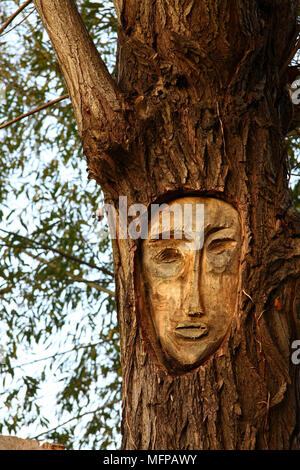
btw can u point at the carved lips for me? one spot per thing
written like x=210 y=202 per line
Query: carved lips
x=191 y=332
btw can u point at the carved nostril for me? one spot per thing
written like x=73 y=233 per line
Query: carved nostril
x=195 y=314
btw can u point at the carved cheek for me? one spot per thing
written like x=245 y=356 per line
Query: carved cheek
x=166 y=297
x=219 y=297
x=163 y=305
x=225 y=262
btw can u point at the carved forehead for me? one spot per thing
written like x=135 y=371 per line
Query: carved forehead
x=217 y=213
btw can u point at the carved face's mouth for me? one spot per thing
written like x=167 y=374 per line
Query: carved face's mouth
x=191 y=332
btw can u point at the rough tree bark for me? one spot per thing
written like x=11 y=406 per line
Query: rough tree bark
x=199 y=107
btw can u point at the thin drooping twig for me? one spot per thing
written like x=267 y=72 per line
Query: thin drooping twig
x=41 y=359
x=33 y=111
x=18 y=24
x=44 y=246
x=106 y=404
x=75 y=278
x=93 y=284
x=13 y=16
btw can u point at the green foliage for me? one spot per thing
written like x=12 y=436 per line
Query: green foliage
x=56 y=274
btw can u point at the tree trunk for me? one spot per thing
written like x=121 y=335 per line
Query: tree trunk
x=201 y=108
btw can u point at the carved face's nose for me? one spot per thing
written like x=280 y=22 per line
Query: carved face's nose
x=195 y=314
x=195 y=308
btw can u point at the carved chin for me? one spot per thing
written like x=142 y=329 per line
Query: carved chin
x=190 y=347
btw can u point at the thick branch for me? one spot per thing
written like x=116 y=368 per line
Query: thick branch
x=93 y=92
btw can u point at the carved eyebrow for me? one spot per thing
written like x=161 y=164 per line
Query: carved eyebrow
x=182 y=236
x=212 y=230
x=225 y=243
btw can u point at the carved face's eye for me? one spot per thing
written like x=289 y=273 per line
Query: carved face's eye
x=168 y=255
x=220 y=246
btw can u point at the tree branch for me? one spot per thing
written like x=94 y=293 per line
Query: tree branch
x=106 y=405
x=18 y=24
x=33 y=111
x=41 y=359
x=13 y=16
x=75 y=278
x=291 y=56
x=59 y=252
x=96 y=100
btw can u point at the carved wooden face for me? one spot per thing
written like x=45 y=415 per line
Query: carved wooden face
x=191 y=282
